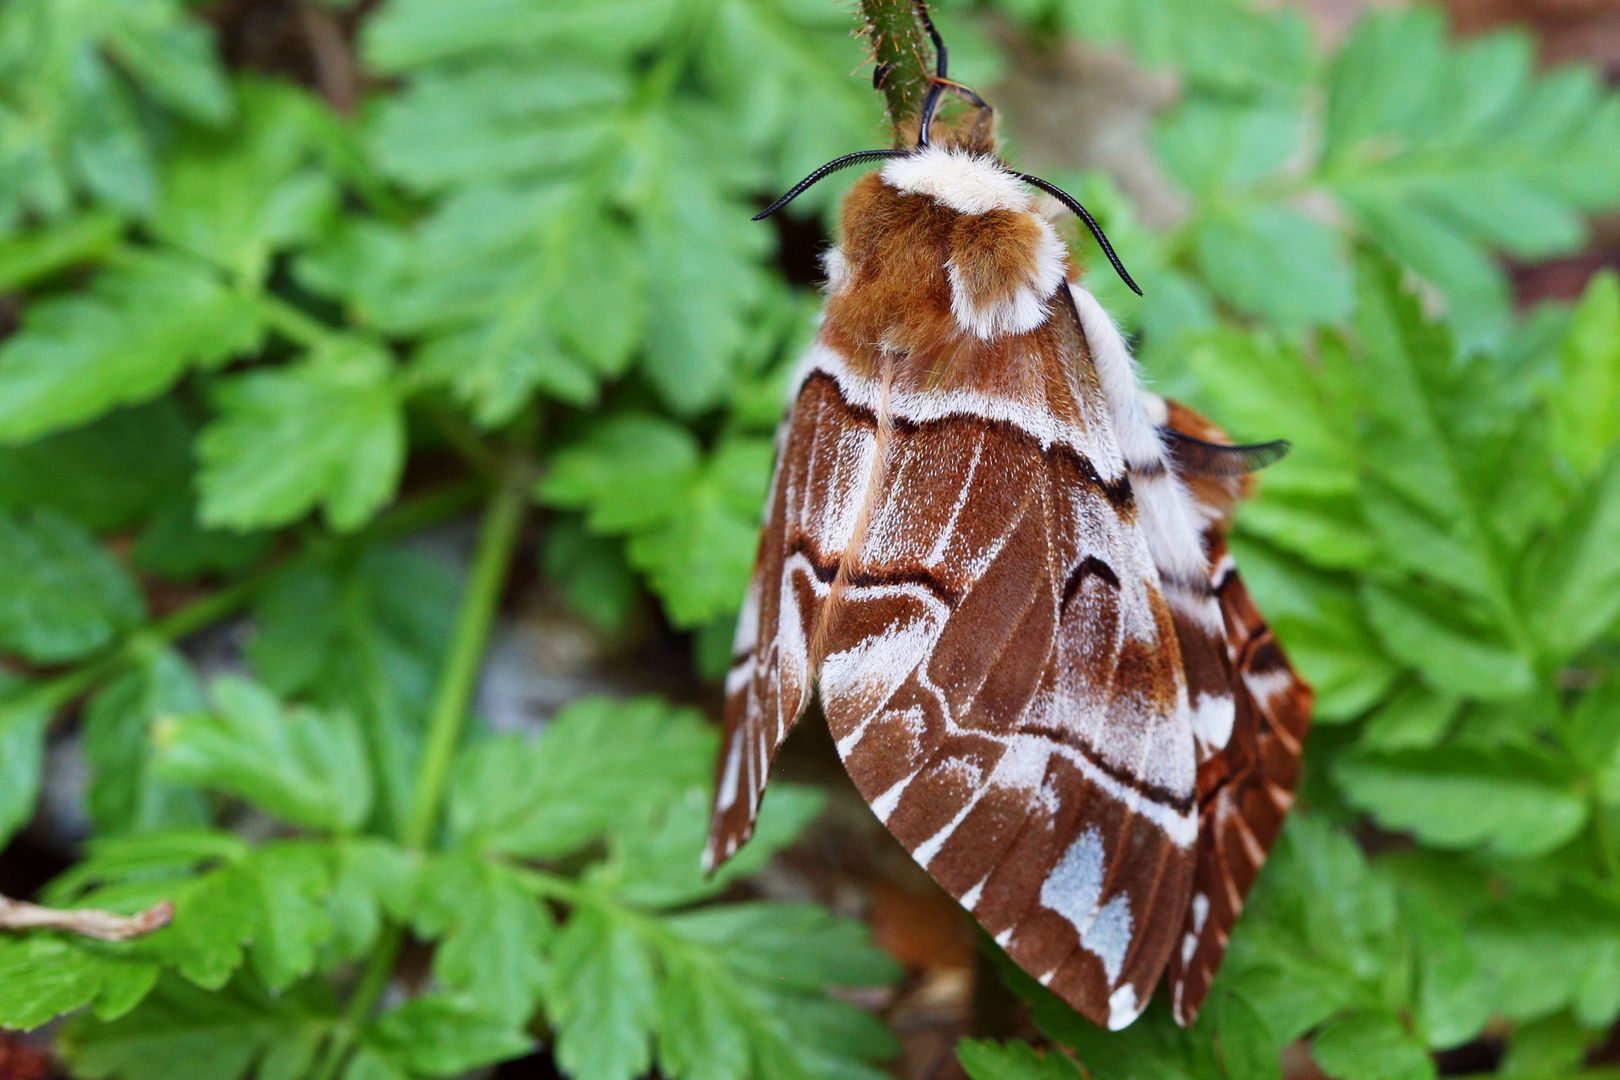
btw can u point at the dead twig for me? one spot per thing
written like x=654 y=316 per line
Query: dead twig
x=337 y=74
x=85 y=922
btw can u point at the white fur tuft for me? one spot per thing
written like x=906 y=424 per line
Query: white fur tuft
x=836 y=267
x=967 y=183
x=1019 y=313
x=1027 y=308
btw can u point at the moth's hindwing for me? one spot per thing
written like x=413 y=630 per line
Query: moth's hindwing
x=1244 y=790
x=1246 y=785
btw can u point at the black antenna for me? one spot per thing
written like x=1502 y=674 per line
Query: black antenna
x=1199 y=457
x=822 y=173
x=1091 y=223
x=941 y=64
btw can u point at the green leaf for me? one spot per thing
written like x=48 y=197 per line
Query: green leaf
x=661 y=865
x=413 y=33
x=494 y=934
x=797 y=946
x=1319 y=935
x=347 y=637
x=984 y=1060
x=22 y=767
x=697 y=1037
x=1224 y=47
x=125 y=794
x=599 y=765
x=28 y=256
x=236 y=196
x=291 y=882
x=1454 y=1001
x=43 y=977
x=1549 y=1047
x=1371 y=1046
x=596 y=581
x=127 y=338
x=66 y=596
x=77 y=80
x=1153 y=1046
x=1593 y=736
x=1455 y=655
x=699 y=559
x=1442 y=152
x=232 y=903
x=518 y=291
x=1245 y=251
x=372 y=878
x=442 y=1035
x=744 y=987
x=219 y=1034
x=327 y=431
x=1513 y=803
x=629 y=472
x=601 y=997
x=175 y=545
x=1571 y=584
x=1321 y=620
x=1542 y=954
x=305 y=766
x=1413 y=718
x=115 y=471
x=698 y=234
x=1585 y=399
x=510 y=120
x=1245 y=1042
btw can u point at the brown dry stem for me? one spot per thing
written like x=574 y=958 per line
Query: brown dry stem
x=85 y=922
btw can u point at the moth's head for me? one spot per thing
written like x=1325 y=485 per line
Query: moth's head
x=940 y=244
x=967 y=180
x=959 y=171
x=962 y=177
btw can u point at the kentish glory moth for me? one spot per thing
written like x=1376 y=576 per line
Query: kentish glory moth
x=1003 y=563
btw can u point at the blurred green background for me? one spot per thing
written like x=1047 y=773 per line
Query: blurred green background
x=386 y=398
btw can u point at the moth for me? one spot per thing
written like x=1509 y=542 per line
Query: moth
x=1003 y=564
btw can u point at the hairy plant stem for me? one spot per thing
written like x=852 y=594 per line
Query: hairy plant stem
x=49 y=695
x=497 y=541
x=902 y=52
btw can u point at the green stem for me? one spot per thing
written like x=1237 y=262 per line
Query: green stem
x=54 y=693
x=902 y=52
x=464 y=441
x=291 y=321
x=497 y=540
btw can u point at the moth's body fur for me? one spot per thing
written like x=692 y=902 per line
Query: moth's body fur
x=979 y=546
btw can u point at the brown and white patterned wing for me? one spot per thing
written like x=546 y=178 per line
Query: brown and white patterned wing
x=1245 y=788
x=821 y=468
x=1002 y=680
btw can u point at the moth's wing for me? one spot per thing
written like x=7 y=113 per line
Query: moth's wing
x=1246 y=787
x=771 y=672
x=1002 y=680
